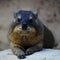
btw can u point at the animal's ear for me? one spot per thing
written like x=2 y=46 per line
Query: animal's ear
x=15 y=15
x=36 y=13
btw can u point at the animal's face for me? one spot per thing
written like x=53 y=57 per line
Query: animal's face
x=26 y=28
x=25 y=19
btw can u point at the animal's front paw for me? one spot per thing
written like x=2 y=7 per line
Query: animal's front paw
x=21 y=56
x=29 y=51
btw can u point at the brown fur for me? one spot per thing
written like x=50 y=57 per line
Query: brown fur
x=29 y=39
x=24 y=42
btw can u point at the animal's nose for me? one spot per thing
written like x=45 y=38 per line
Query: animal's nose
x=24 y=24
x=24 y=27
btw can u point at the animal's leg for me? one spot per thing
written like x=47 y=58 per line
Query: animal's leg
x=18 y=51
x=35 y=48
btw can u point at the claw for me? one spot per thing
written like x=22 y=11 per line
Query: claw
x=28 y=53
x=21 y=57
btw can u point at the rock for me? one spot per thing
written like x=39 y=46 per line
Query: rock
x=45 y=54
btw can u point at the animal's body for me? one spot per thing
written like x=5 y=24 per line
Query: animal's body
x=28 y=35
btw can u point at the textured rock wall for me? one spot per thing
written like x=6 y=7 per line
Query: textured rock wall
x=49 y=14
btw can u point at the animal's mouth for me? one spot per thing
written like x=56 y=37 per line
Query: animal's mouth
x=28 y=31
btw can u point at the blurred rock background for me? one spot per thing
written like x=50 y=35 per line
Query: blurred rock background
x=49 y=14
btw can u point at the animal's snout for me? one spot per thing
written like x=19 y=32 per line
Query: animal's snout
x=24 y=26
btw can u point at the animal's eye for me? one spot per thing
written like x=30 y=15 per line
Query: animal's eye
x=30 y=19
x=19 y=18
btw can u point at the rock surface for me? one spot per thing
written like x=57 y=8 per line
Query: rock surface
x=46 y=54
